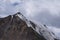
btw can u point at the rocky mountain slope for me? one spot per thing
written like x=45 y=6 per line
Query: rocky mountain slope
x=17 y=27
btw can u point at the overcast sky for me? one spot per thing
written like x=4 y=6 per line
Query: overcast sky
x=41 y=11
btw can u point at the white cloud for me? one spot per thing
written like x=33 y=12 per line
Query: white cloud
x=55 y=30
x=15 y=1
x=29 y=7
x=32 y=7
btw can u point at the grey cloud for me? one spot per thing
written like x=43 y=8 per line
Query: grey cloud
x=46 y=18
x=15 y=4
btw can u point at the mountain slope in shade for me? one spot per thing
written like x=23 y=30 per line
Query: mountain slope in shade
x=17 y=27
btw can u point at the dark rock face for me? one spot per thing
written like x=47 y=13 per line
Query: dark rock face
x=13 y=28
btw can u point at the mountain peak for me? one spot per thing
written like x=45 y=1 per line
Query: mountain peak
x=17 y=27
x=18 y=13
